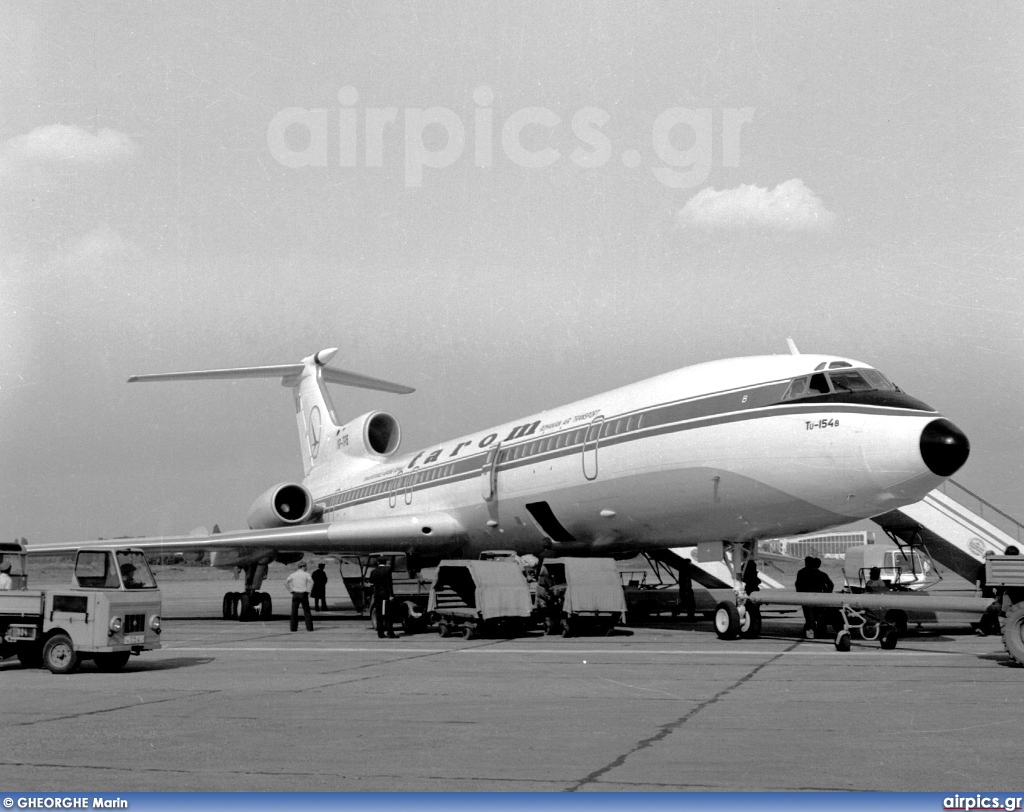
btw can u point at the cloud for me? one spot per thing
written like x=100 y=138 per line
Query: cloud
x=789 y=207
x=64 y=144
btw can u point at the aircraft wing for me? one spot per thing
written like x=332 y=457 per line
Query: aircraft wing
x=876 y=602
x=427 y=533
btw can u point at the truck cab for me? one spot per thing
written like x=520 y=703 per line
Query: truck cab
x=110 y=612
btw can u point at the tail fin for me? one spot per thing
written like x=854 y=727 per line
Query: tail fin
x=314 y=411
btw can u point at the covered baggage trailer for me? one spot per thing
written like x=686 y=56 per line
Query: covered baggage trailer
x=587 y=595
x=474 y=598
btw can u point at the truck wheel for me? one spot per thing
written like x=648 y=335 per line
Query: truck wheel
x=750 y=626
x=59 y=654
x=727 y=620
x=443 y=629
x=1013 y=633
x=113 y=661
x=889 y=638
x=843 y=641
x=469 y=631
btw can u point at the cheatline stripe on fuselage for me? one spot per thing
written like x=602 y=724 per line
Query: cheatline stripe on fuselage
x=700 y=412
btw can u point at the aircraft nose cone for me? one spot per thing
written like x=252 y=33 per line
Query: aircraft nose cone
x=944 y=448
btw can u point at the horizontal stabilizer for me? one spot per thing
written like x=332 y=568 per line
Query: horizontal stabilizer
x=288 y=373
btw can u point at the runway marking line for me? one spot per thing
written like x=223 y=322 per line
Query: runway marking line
x=567 y=652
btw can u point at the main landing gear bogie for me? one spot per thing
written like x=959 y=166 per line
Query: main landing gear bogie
x=247 y=606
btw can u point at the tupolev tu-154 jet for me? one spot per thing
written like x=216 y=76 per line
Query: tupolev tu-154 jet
x=727 y=451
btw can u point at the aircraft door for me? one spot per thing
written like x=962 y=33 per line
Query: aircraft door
x=590 y=443
x=489 y=474
x=393 y=491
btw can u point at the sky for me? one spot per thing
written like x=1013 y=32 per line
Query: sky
x=508 y=206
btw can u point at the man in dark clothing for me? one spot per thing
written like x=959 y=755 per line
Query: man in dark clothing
x=319 y=591
x=805 y=582
x=687 y=601
x=811 y=578
x=751 y=580
x=383 y=591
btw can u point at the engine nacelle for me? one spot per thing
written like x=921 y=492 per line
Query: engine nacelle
x=376 y=433
x=283 y=505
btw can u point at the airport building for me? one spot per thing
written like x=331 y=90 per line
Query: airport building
x=822 y=545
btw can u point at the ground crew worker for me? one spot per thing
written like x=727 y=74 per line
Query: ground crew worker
x=805 y=582
x=751 y=580
x=299 y=583
x=547 y=601
x=687 y=600
x=6 y=582
x=875 y=583
x=383 y=592
x=319 y=591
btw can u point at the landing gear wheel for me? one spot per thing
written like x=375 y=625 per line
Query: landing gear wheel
x=750 y=625
x=898 y=619
x=843 y=641
x=443 y=629
x=727 y=620
x=1013 y=633
x=114 y=661
x=59 y=654
x=266 y=606
x=889 y=638
x=230 y=605
x=246 y=609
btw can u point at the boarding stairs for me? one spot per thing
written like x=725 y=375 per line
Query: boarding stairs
x=709 y=574
x=955 y=527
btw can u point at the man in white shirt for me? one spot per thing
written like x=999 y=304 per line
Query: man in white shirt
x=299 y=583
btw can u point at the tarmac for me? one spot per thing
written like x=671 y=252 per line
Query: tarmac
x=229 y=706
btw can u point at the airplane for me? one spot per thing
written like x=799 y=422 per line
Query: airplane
x=724 y=452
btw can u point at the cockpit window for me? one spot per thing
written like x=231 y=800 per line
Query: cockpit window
x=878 y=380
x=852 y=380
x=818 y=385
x=849 y=381
x=806 y=387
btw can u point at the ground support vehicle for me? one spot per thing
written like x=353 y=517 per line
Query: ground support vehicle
x=111 y=611
x=411 y=588
x=867 y=613
x=1006 y=574
x=900 y=567
x=475 y=598
x=591 y=597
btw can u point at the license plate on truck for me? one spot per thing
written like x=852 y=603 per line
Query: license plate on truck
x=134 y=639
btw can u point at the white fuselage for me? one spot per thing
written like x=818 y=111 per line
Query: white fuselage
x=706 y=453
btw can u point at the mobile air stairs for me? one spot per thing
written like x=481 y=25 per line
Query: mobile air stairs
x=955 y=527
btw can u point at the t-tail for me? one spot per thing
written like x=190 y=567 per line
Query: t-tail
x=321 y=435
